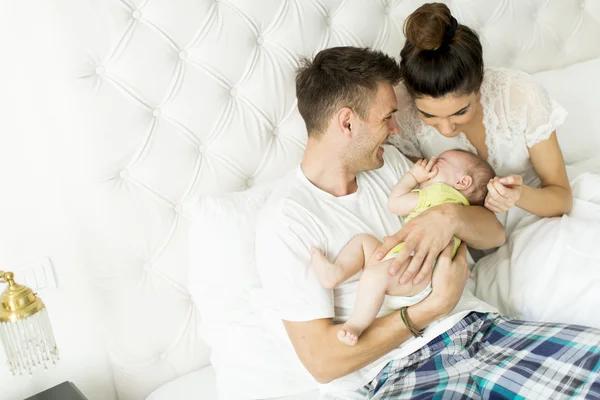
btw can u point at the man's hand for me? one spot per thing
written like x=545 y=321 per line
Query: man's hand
x=426 y=235
x=424 y=170
x=448 y=281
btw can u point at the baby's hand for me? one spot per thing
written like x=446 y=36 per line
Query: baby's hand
x=423 y=170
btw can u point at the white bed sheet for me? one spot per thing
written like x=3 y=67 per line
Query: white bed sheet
x=202 y=384
x=549 y=268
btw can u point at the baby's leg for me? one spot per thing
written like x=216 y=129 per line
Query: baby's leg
x=350 y=260
x=373 y=285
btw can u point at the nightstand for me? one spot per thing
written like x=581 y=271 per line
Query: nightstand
x=64 y=391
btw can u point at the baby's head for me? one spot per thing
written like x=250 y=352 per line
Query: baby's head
x=465 y=172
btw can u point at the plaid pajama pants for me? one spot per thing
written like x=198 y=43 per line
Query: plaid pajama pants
x=486 y=356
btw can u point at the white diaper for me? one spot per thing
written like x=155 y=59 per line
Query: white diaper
x=397 y=302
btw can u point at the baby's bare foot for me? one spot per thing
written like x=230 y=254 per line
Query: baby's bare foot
x=327 y=272
x=348 y=334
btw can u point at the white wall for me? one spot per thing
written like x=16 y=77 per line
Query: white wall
x=31 y=224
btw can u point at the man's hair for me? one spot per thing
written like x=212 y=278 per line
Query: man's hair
x=481 y=171
x=341 y=77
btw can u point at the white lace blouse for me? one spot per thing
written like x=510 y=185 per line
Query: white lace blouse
x=517 y=114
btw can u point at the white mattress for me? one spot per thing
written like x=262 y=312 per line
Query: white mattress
x=201 y=384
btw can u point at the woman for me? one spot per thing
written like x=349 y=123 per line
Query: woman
x=447 y=100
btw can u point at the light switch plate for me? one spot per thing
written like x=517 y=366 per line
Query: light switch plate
x=37 y=274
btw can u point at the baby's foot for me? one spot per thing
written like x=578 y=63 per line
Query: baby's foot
x=326 y=271
x=348 y=334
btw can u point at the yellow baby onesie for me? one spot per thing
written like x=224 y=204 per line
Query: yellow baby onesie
x=430 y=196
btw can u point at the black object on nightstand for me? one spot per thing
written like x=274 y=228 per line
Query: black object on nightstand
x=64 y=391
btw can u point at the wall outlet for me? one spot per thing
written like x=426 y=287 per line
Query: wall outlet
x=37 y=274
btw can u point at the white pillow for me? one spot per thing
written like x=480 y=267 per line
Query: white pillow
x=577 y=88
x=223 y=281
x=221 y=236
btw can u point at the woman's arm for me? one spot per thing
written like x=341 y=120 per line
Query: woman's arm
x=536 y=116
x=553 y=199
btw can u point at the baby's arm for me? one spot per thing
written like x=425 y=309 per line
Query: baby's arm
x=402 y=201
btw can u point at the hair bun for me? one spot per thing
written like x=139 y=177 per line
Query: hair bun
x=427 y=27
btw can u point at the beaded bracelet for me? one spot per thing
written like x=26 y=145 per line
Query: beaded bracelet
x=415 y=332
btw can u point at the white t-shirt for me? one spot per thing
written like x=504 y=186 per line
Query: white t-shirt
x=297 y=216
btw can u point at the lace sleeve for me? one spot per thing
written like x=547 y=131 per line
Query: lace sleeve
x=532 y=110
x=408 y=125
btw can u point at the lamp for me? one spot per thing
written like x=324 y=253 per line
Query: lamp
x=25 y=328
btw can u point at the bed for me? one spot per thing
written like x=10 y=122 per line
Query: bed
x=179 y=103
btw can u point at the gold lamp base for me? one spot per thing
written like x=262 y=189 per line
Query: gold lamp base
x=25 y=328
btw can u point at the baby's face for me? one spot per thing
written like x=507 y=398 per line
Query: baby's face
x=449 y=168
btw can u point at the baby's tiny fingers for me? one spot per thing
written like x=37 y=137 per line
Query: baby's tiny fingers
x=430 y=164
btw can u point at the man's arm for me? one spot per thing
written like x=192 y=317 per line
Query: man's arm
x=326 y=358
x=476 y=226
x=428 y=233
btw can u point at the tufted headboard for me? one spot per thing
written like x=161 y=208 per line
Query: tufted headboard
x=174 y=98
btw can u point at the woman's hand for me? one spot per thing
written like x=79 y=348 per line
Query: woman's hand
x=503 y=193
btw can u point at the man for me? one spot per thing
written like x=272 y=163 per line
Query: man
x=346 y=98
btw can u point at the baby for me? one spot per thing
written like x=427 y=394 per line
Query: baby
x=456 y=176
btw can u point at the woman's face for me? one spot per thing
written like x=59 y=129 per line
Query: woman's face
x=448 y=114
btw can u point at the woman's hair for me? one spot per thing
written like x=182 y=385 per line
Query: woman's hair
x=440 y=56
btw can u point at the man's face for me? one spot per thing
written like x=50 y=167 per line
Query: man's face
x=366 y=151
